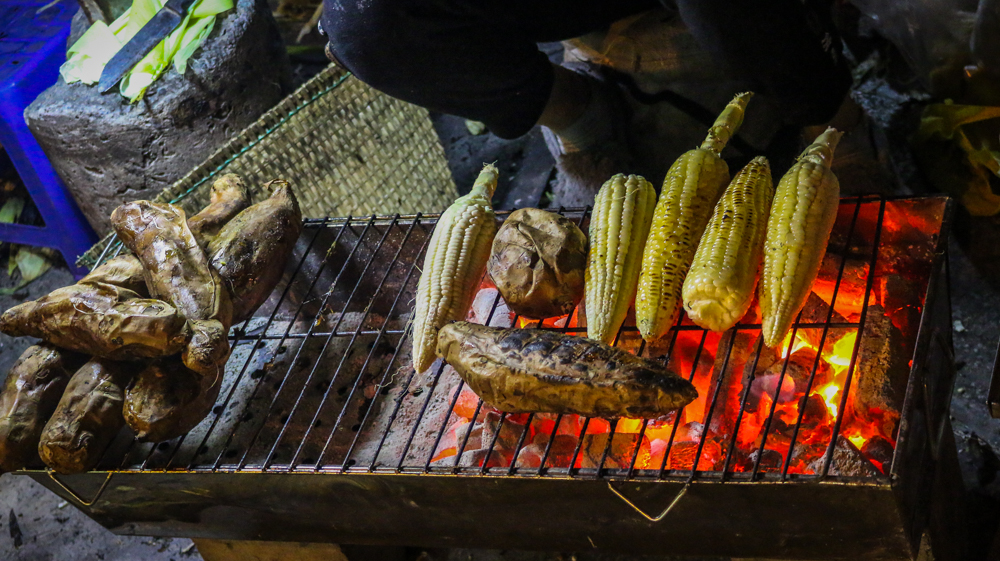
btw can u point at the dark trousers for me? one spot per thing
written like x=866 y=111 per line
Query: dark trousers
x=478 y=58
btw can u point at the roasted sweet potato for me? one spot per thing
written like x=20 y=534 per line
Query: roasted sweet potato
x=538 y=262
x=177 y=270
x=251 y=250
x=33 y=389
x=124 y=271
x=530 y=370
x=167 y=399
x=88 y=417
x=100 y=319
x=229 y=197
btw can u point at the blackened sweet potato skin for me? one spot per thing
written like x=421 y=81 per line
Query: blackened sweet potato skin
x=250 y=251
x=229 y=197
x=177 y=270
x=124 y=271
x=87 y=418
x=31 y=392
x=100 y=319
x=532 y=370
x=167 y=400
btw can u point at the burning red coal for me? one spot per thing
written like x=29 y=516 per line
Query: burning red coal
x=773 y=410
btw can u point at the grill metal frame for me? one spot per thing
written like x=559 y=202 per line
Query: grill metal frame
x=149 y=489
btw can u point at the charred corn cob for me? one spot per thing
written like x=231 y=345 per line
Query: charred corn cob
x=623 y=211
x=455 y=261
x=720 y=285
x=690 y=190
x=804 y=210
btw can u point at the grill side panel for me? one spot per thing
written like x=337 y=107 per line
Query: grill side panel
x=829 y=521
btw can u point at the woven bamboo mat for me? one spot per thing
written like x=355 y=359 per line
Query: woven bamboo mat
x=345 y=148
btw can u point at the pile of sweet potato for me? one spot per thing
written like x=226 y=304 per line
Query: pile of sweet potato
x=143 y=339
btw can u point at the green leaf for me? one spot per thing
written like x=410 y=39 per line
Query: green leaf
x=11 y=262
x=11 y=210
x=91 y=53
x=32 y=262
x=476 y=128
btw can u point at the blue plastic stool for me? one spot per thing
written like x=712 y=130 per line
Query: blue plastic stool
x=32 y=47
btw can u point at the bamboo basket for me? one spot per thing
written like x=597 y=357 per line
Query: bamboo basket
x=345 y=148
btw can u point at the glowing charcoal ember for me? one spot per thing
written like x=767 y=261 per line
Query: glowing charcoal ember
x=682 y=455
x=721 y=366
x=734 y=359
x=851 y=292
x=530 y=456
x=465 y=405
x=882 y=373
x=482 y=308
x=796 y=377
x=561 y=450
x=619 y=454
x=879 y=451
x=770 y=460
x=847 y=461
x=448 y=446
x=817 y=310
x=901 y=298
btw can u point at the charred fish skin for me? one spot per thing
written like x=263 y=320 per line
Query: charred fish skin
x=31 y=393
x=531 y=370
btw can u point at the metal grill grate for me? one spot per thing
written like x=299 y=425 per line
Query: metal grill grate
x=320 y=380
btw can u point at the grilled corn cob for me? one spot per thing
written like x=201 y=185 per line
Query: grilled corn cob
x=720 y=285
x=623 y=211
x=804 y=210
x=690 y=190
x=455 y=261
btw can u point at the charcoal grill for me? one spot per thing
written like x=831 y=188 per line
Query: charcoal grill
x=323 y=431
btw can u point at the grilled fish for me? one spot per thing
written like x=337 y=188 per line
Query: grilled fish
x=530 y=370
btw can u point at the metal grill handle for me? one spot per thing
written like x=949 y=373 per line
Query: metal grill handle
x=73 y=494
x=663 y=514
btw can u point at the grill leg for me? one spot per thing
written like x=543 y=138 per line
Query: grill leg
x=232 y=550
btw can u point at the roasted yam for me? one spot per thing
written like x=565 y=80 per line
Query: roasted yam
x=124 y=271
x=538 y=263
x=229 y=197
x=530 y=370
x=251 y=250
x=177 y=271
x=88 y=417
x=100 y=319
x=33 y=389
x=167 y=399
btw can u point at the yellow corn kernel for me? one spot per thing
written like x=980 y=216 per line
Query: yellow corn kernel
x=623 y=211
x=802 y=216
x=720 y=286
x=453 y=265
x=691 y=188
